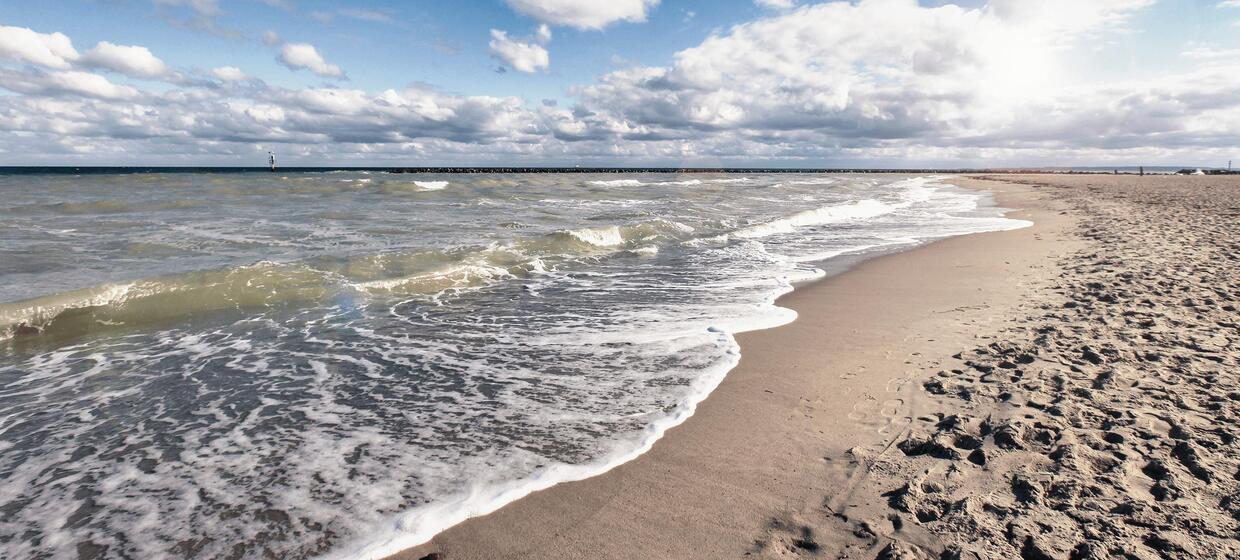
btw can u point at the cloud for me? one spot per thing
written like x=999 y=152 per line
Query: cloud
x=131 y=60
x=861 y=74
x=202 y=16
x=67 y=82
x=875 y=82
x=1064 y=20
x=522 y=56
x=229 y=74
x=1210 y=53
x=778 y=5
x=208 y=8
x=1229 y=4
x=372 y=16
x=584 y=14
x=53 y=50
x=271 y=38
x=366 y=15
x=303 y=56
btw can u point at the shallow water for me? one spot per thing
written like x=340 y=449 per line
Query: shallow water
x=344 y=363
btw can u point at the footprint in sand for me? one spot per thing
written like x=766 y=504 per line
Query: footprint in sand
x=854 y=373
x=892 y=407
x=897 y=416
x=898 y=384
x=863 y=411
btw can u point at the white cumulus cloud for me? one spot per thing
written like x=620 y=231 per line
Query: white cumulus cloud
x=584 y=14
x=522 y=56
x=867 y=82
x=776 y=4
x=53 y=50
x=229 y=74
x=71 y=82
x=127 y=59
x=303 y=56
x=873 y=70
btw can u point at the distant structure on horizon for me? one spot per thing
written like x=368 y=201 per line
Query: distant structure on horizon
x=271 y=159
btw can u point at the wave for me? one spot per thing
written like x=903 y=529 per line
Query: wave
x=637 y=183
x=114 y=207
x=267 y=284
x=599 y=237
x=617 y=183
x=615 y=236
x=146 y=302
x=255 y=287
x=814 y=181
x=861 y=209
x=476 y=269
x=399 y=188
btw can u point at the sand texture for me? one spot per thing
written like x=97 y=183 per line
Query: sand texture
x=1062 y=391
x=1101 y=424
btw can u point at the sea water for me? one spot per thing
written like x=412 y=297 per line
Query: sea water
x=341 y=364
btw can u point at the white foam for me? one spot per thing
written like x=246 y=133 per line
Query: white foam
x=456 y=276
x=862 y=209
x=418 y=525
x=599 y=237
x=37 y=312
x=431 y=185
x=618 y=183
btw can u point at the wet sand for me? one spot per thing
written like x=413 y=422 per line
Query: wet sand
x=1064 y=390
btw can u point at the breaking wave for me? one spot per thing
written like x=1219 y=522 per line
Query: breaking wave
x=617 y=183
x=821 y=216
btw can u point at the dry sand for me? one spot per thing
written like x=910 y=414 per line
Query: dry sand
x=1061 y=391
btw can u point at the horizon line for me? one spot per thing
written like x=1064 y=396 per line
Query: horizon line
x=461 y=169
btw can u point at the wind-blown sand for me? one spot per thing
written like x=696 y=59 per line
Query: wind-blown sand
x=1062 y=391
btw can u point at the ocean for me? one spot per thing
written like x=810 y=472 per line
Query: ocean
x=341 y=364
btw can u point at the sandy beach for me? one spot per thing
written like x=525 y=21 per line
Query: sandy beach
x=620 y=279
x=1066 y=390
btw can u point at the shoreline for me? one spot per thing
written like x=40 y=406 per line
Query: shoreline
x=580 y=518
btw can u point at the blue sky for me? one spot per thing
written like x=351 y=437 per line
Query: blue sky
x=439 y=42
x=734 y=82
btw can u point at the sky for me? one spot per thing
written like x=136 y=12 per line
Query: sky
x=785 y=83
